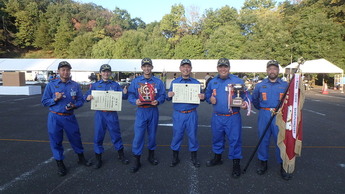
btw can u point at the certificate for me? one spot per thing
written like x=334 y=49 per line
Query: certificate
x=106 y=100
x=186 y=93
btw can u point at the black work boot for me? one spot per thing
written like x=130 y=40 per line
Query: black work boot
x=137 y=164
x=122 y=157
x=236 y=168
x=194 y=159
x=61 y=168
x=263 y=168
x=286 y=176
x=175 y=159
x=215 y=161
x=99 y=162
x=82 y=160
x=152 y=158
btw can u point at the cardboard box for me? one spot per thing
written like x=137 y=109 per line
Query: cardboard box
x=13 y=79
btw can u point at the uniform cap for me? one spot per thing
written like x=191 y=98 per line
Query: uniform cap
x=64 y=64
x=146 y=61
x=186 y=61
x=105 y=67
x=272 y=62
x=223 y=61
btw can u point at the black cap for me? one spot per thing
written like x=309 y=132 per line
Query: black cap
x=105 y=67
x=64 y=64
x=186 y=61
x=272 y=62
x=146 y=61
x=223 y=61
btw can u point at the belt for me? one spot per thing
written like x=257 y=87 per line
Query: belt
x=187 y=111
x=62 y=114
x=227 y=115
x=270 y=109
x=146 y=106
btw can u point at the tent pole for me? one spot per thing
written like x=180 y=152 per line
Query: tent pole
x=342 y=83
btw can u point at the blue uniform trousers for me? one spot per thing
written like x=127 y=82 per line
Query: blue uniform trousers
x=104 y=121
x=230 y=127
x=146 y=120
x=263 y=153
x=182 y=122
x=56 y=125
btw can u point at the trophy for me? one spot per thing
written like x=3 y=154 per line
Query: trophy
x=236 y=89
x=146 y=93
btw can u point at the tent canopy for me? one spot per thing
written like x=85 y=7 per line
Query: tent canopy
x=129 y=65
x=317 y=66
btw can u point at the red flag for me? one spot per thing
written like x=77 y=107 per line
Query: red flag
x=289 y=121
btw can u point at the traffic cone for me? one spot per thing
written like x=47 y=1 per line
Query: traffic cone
x=325 y=89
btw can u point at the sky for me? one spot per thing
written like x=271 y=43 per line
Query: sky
x=154 y=10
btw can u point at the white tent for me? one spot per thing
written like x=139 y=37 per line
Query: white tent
x=317 y=66
x=129 y=65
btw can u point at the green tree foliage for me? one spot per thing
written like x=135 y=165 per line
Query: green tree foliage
x=104 y=49
x=129 y=45
x=226 y=41
x=43 y=38
x=63 y=37
x=213 y=19
x=157 y=46
x=173 y=25
x=190 y=46
x=261 y=30
x=81 y=46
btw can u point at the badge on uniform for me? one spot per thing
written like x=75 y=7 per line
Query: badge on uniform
x=73 y=94
x=147 y=93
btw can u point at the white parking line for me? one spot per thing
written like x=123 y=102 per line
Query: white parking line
x=208 y=126
x=329 y=96
x=314 y=112
x=26 y=174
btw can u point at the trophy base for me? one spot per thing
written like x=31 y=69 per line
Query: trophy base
x=236 y=103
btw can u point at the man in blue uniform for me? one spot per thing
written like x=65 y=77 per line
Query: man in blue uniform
x=146 y=92
x=185 y=117
x=266 y=96
x=226 y=120
x=106 y=119
x=62 y=96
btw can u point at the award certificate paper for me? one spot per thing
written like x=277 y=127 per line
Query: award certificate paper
x=186 y=93
x=106 y=100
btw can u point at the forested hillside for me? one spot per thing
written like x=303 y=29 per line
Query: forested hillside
x=260 y=30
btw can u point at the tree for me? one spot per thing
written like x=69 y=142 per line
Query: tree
x=63 y=37
x=226 y=41
x=129 y=45
x=104 y=49
x=157 y=46
x=219 y=17
x=43 y=38
x=190 y=46
x=317 y=36
x=173 y=25
x=81 y=46
x=26 y=24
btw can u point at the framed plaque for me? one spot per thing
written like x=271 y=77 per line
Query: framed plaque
x=106 y=100
x=186 y=93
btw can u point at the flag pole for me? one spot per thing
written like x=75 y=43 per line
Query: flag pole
x=300 y=62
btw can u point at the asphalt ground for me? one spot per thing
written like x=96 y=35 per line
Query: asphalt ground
x=27 y=166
